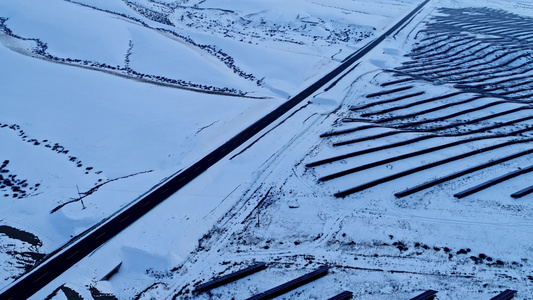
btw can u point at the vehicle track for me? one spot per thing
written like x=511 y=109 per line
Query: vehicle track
x=68 y=255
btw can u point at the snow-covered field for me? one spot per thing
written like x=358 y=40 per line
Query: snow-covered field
x=130 y=92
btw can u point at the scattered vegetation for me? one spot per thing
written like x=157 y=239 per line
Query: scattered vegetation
x=11 y=186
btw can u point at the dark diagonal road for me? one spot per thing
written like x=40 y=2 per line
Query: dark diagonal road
x=55 y=265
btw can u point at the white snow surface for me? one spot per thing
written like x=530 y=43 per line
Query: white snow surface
x=263 y=204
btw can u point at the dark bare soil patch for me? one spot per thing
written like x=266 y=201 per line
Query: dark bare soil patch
x=21 y=235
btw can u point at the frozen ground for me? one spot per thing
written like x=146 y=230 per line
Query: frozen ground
x=104 y=99
x=264 y=204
